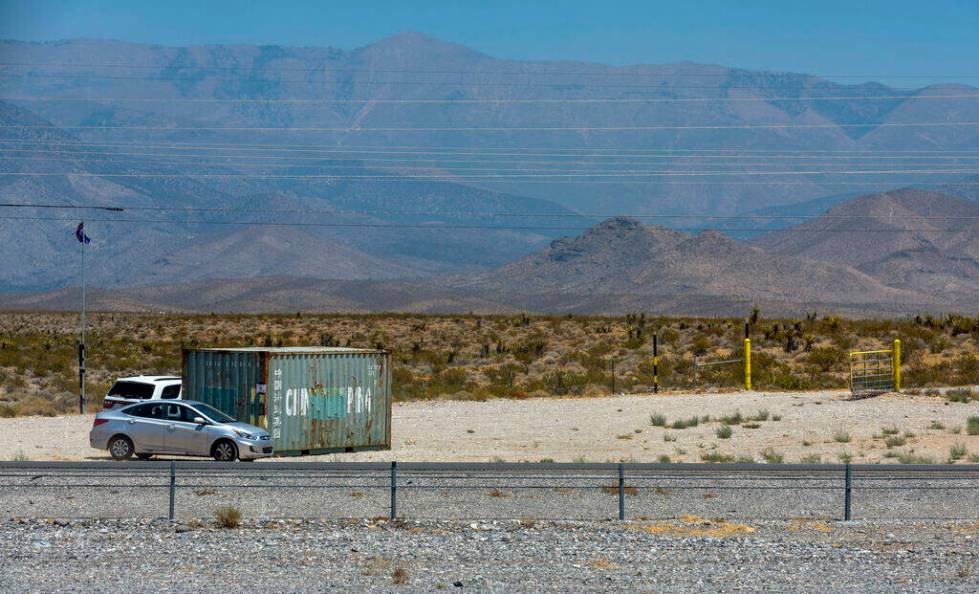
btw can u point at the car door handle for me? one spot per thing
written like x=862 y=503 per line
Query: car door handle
x=132 y=422
x=171 y=427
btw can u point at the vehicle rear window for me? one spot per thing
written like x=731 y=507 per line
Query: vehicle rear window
x=135 y=390
x=171 y=392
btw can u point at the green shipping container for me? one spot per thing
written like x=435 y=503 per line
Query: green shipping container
x=311 y=400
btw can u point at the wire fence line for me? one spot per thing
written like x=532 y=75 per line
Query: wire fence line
x=166 y=489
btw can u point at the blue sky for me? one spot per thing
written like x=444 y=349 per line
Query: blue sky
x=900 y=38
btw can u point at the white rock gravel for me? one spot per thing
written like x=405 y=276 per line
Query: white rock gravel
x=505 y=556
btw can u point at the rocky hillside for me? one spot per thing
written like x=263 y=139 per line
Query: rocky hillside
x=912 y=239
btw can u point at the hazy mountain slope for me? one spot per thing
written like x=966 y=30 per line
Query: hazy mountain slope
x=385 y=81
x=622 y=259
x=616 y=266
x=195 y=196
x=914 y=239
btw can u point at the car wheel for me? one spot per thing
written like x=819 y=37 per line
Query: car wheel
x=144 y=456
x=121 y=447
x=224 y=451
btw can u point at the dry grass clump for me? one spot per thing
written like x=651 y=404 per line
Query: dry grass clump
x=690 y=526
x=228 y=517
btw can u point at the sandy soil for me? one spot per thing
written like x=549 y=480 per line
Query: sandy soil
x=609 y=429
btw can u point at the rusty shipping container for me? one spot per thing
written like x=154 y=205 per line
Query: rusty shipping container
x=311 y=400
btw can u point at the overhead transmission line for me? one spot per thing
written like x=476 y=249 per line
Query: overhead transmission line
x=352 y=130
x=475 y=150
x=510 y=176
x=372 y=101
x=536 y=70
x=451 y=226
x=213 y=209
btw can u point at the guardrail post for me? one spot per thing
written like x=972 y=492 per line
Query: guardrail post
x=621 y=491
x=849 y=494
x=173 y=488
x=394 y=490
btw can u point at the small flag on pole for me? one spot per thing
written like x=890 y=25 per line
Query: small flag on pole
x=80 y=234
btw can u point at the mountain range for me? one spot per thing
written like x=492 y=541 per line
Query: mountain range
x=413 y=174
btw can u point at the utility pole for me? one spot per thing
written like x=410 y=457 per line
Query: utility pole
x=84 y=240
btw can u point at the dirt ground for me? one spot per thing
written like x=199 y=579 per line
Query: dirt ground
x=800 y=426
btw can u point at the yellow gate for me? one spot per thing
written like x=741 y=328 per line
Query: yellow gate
x=875 y=372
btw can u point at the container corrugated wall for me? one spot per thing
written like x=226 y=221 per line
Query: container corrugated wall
x=310 y=400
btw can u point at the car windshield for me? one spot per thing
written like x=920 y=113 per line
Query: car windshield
x=214 y=414
x=136 y=390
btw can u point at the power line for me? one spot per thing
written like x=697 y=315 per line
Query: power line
x=489 y=177
x=354 y=130
x=538 y=71
x=571 y=85
x=442 y=227
x=470 y=214
x=427 y=165
x=596 y=100
x=244 y=160
x=477 y=150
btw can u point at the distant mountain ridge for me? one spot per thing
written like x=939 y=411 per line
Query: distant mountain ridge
x=621 y=265
x=415 y=174
x=398 y=83
x=913 y=239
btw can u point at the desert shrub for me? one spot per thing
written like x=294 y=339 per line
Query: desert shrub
x=957 y=452
x=228 y=517
x=657 y=420
x=771 y=456
x=734 y=419
x=912 y=458
x=963 y=395
x=972 y=425
x=724 y=432
x=683 y=424
x=826 y=358
x=893 y=441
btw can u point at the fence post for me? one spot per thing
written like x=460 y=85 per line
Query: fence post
x=612 y=372
x=173 y=488
x=897 y=364
x=747 y=364
x=394 y=490
x=621 y=491
x=848 y=496
x=655 y=366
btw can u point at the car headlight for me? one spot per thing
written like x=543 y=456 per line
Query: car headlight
x=244 y=435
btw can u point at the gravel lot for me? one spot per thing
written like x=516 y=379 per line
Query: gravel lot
x=610 y=429
x=688 y=555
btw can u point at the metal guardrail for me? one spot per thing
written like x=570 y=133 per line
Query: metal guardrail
x=396 y=478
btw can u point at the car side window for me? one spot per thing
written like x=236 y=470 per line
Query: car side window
x=171 y=392
x=173 y=412
x=143 y=410
x=147 y=411
x=189 y=414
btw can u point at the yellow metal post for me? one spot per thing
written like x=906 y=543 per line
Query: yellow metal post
x=897 y=364
x=747 y=364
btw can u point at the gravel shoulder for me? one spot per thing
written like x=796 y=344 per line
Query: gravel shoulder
x=799 y=425
x=685 y=555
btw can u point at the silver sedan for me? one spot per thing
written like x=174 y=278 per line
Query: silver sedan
x=185 y=428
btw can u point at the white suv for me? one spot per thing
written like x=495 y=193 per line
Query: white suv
x=128 y=390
